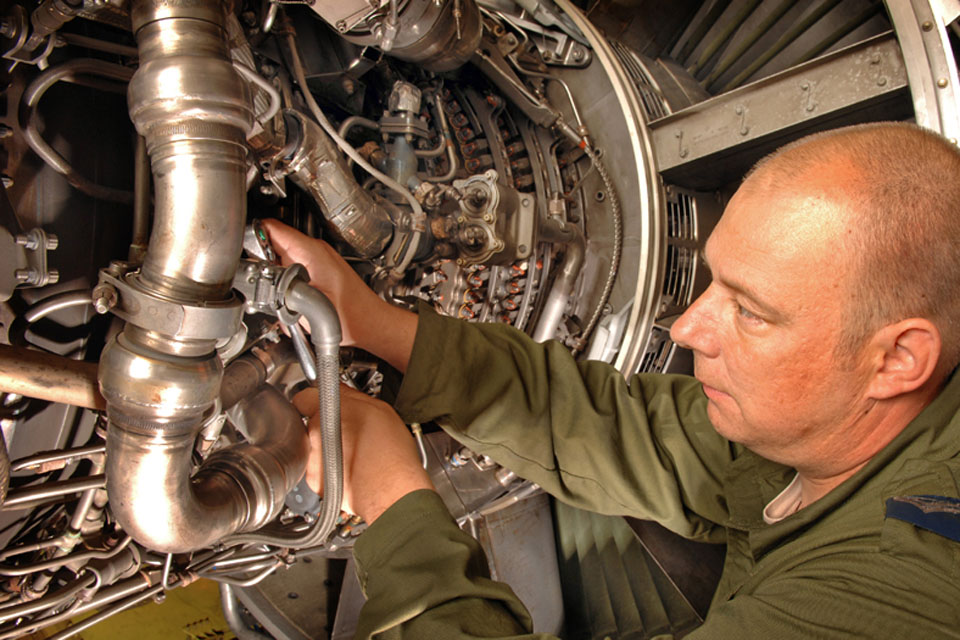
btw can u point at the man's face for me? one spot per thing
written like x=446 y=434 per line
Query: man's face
x=764 y=334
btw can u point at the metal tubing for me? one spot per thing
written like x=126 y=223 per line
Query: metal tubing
x=61 y=457
x=23 y=498
x=49 y=377
x=236 y=489
x=52 y=600
x=63 y=300
x=231 y=613
x=562 y=289
x=447 y=140
x=58 y=562
x=31 y=97
x=325 y=335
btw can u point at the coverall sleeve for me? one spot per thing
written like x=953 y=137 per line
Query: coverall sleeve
x=578 y=429
x=427 y=579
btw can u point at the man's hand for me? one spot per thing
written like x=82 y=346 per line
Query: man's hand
x=381 y=463
x=365 y=320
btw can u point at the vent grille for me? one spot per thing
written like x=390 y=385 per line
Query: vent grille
x=653 y=103
x=680 y=217
x=658 y=351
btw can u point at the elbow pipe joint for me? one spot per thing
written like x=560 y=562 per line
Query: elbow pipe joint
x=325 y=333
x=240 y=488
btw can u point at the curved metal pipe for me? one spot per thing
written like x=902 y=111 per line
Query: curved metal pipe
x=318 y=168
x=71 y=71
x=447 y=141
x=240 y=488
x=325 y=335
x=231 y=613
x=560 y=292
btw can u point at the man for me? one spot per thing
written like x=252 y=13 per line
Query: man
x=824 y=407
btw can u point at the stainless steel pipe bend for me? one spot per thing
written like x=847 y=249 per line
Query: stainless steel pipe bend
x=240 y=488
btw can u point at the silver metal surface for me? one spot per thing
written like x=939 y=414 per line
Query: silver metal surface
x=49 y=377
x=238 y=488
x=842 y=85
x=355 y=215
x=921 y=29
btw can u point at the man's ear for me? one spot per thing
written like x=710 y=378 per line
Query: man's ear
x=905 y=354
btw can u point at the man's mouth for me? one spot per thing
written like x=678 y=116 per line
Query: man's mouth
x=713 y=393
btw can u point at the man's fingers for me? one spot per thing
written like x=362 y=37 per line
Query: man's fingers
x=306 y=401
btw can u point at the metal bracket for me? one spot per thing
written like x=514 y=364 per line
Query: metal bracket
x=264 y=286
x=23 y=261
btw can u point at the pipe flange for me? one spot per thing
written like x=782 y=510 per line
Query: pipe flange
x=206 y=320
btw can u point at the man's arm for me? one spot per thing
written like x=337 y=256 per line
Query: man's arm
x=576 y=428
x=366 y=321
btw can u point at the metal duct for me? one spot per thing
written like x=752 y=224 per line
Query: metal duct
x=317 y=167
x=240 y=488
x=161 y=373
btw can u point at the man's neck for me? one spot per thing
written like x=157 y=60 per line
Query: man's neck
x=884 y=422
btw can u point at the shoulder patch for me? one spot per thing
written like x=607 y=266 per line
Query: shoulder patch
x=939 y=514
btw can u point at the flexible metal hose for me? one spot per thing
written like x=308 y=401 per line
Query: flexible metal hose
x=325 y=335
x=617 y=249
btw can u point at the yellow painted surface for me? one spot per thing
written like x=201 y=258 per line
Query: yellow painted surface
x=190 y=613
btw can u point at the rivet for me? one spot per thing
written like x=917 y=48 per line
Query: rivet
x=942 y=83
x=927 y=25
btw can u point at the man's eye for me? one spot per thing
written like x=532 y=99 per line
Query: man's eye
x=746 y=314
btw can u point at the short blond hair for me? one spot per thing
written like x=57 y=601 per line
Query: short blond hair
x=901 y=183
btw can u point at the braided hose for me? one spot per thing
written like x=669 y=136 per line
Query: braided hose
x=581 y=342
x=325 y=336
x=328 y=386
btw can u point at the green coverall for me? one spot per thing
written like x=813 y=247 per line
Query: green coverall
x=838 y=568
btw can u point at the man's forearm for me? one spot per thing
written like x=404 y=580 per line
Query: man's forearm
x=388 y=332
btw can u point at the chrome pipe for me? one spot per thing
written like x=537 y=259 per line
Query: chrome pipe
x=563 y=287
x=231 y=613
x=194 y=111
x=46 y=376
x=240 y=488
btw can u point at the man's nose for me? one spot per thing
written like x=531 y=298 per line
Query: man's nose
x=696 y=329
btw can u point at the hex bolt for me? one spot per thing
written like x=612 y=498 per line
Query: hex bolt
x=53 y=276
x=27 y=241
x=488 y=218
x=104 y=298
x=52 y=242
x=6 y=180
x=26 y=276
x=5 y=131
